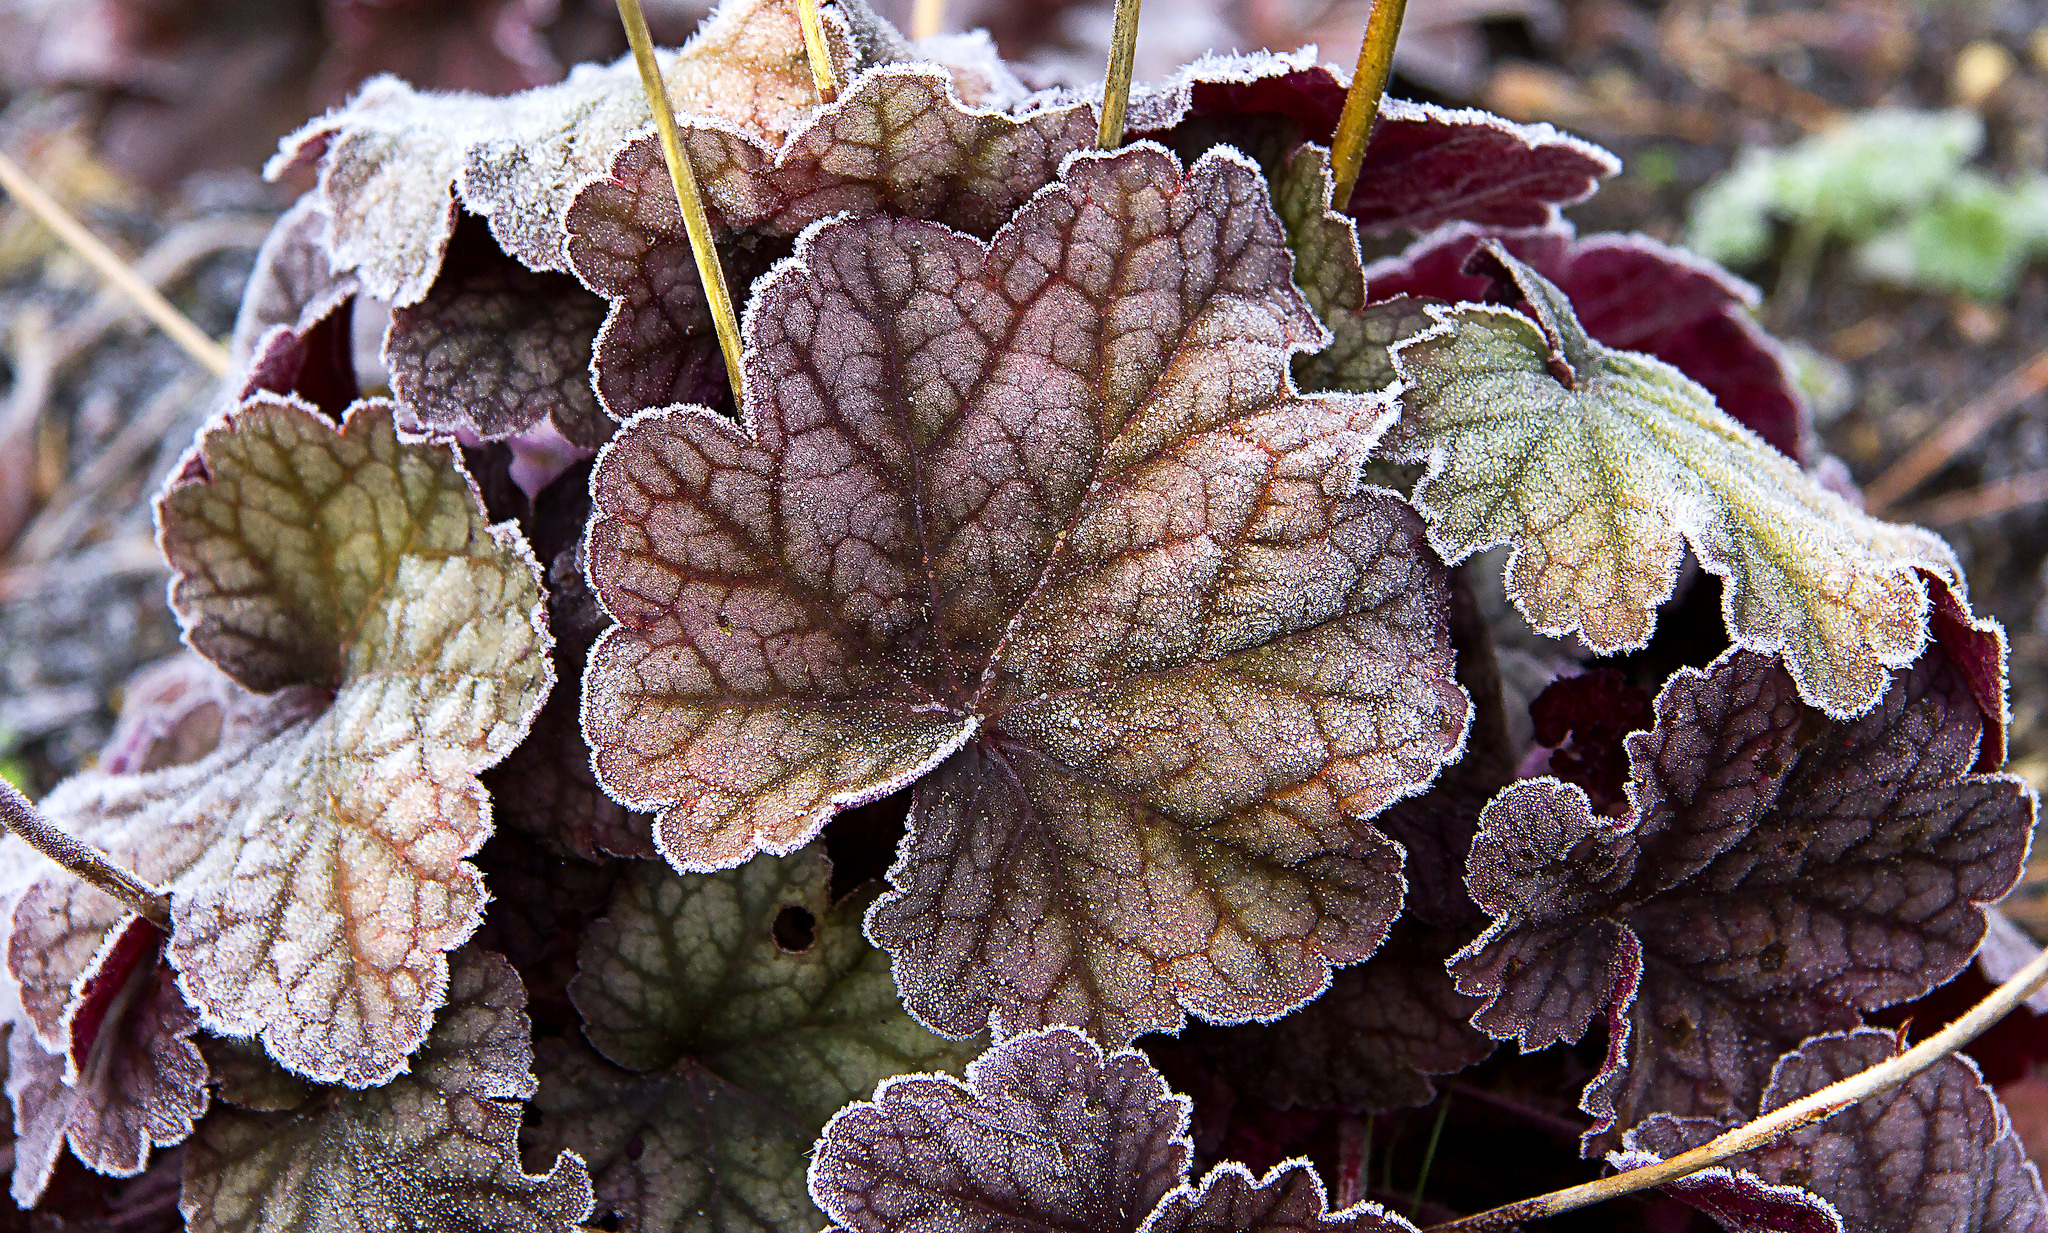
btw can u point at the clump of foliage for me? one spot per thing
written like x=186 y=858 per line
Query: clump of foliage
x=1896 y=186
x=597 y=793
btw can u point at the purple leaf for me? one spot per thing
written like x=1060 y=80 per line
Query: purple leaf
x=495 y=349
x=1634 y=294
x=1778 y=874
x=1937 y=1155
x=1042 y=511
x=1049 y=1133
x=899 y=141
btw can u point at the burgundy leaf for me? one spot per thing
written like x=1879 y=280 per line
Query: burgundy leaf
x=1778 y=874
x=1048 y=1133
x=1977 y=649
x=1937 y=1155
x=495 y=349
x=1583 y=719
x=1635 y=294
x=1424 y=166
x=132 y=1078
x=1739 y=1201
x=899 y=141
x=1049 y=512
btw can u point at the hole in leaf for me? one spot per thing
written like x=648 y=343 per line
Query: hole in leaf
x=795 y=929
x=1772 y=957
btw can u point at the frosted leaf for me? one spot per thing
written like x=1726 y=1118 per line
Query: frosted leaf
x=132 y=1076
x=1424 y=165
x=1778 y=874
x=394 y=162
x=899 y=141
x=1937 y=1155
x=739 y=1011
x=496 y=348
x=316 y=862
x=1597 y=465
x=1326 y=266
x=1049 y=1133
x=1040 y=510
x=1634 y=294
x=294 y=284
x=433 y=1151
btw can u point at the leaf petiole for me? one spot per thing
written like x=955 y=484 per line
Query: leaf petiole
x=1802 y=1113
x=1362 y=100
x=1116 y=88
x=83 y=861
x=688 y=199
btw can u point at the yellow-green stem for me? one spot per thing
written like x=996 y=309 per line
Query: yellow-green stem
x=688 y=199
x=927 y=18
x=161 y=312
x=1362 y=101
x=822 y=75
x=1116 y=88
x=1801 y=1113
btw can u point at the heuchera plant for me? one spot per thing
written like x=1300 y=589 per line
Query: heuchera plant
x=1062 y=663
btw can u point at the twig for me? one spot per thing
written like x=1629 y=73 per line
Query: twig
x=1970 y=422
x=927 y=18
x=1801 y=1113
x=688 y=199
x=1997 y=497
x=1116 y=88
x=1362 y=100
x=209 y=354
x=822 y=75
x=86 y=863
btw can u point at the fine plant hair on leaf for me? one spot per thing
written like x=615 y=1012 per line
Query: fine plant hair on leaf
x=729 y=1036
x=433 y=1151
x=316 y=864
x=1049 y=1132
x=132 y=1077
x=1047 y=511
x=900 y=140
x=1424 y=166
x=1597 y=465
x=1778 y=874
x=396 y=163
x=1632 y=293
x=1937 y=1155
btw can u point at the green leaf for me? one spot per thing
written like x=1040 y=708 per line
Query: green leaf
x=754 y=1010
x=434 y=1151
x=1328 y=270
x=1598 y=464
x=316 y=857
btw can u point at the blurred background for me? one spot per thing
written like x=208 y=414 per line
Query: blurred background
x=1876 y=167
